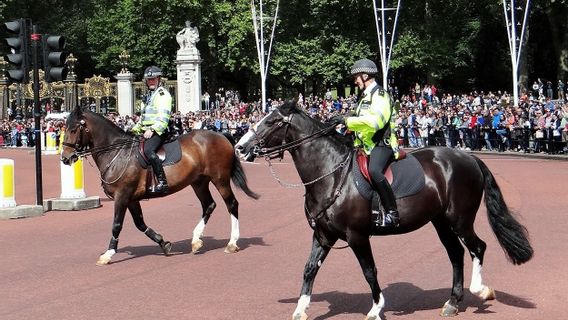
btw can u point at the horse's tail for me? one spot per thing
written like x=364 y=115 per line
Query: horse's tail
x=237 y=173
x=512 y=236
x=240 y=179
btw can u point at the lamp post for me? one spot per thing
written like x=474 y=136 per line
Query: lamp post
x=72 y=77
x=3 y=68
x=4 y=83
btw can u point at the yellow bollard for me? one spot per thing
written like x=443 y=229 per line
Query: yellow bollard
x=7 y=183
x=61 y=137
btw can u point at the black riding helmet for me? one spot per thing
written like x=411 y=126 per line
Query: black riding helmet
x=152 y=72
x=364 y=66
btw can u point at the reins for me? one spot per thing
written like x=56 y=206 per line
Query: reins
x=103 y=149
x=272 y=152
x=321 y=213
x=267 y=152
x=295 y=185
x=82 y=150
x=114 y=146
x=111 y=162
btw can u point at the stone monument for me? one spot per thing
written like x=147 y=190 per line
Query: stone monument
x=124 y=88
x=188 y=70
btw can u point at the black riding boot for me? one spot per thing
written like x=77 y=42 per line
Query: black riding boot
x=388 y=199
x=162 y=184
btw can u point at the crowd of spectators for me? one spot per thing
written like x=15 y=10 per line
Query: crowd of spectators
x=424 y=117
x=484 y=121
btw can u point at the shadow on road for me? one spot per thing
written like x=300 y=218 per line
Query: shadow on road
x=184 y=247
x=404 y=299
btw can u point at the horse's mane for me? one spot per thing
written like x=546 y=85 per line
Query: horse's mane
x=291 y=106
x=78 y=113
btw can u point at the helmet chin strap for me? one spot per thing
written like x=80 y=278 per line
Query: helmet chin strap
x=366 y=80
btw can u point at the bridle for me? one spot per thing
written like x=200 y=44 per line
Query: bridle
x=81 y=149
x=270 y=153
x=278 y=151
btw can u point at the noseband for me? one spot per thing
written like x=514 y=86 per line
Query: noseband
x=78 y=146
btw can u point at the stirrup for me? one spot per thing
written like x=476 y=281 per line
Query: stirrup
x=160 y=188
x=377 y=218
x=390 y=219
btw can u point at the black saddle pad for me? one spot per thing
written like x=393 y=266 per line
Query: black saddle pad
x=408 y=178
x=170 y=153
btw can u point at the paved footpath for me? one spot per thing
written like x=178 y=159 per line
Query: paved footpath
x=48 y=270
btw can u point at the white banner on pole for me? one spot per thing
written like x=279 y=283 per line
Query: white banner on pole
x=386 y=29
x=263 y=56
x=514 y=27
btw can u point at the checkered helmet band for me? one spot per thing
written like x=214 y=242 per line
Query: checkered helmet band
x=152 y=72
x=364 y=66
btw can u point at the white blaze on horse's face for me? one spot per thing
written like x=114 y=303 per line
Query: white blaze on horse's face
x=244 y=146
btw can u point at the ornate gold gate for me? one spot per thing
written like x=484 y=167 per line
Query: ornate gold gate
x=99 y=94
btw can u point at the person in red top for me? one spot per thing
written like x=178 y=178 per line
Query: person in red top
x=434 y=90
x=473 y=131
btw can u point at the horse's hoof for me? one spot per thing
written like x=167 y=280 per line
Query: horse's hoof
x=166 y=247
x=103 y=261
x=487 y=294
x=232 y=248
x=195 y=246
x=371 y=318
x=302 y=316
x=449 y=311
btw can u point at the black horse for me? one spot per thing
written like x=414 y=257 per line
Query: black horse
x=204 y=157
x=454 y=184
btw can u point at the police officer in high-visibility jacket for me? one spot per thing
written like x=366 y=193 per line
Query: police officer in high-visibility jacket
x=375 y=133
x=153 y=124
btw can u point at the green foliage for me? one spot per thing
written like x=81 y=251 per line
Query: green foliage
x=458 y=43
x=138 y=27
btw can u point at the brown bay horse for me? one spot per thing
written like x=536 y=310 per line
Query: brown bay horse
x=455 y=183
x=206 y=157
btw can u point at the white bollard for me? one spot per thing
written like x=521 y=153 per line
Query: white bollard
x=72 y=180
x=7 y=183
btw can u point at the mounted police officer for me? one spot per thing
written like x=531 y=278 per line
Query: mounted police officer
x=153 y=124
x=375 y=133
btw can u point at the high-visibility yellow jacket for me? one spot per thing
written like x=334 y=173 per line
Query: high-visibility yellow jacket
x=156 y=113
x=374 y=113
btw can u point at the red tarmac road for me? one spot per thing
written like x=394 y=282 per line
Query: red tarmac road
x=48 y=271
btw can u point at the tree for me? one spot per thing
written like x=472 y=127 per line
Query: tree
x=460 y=45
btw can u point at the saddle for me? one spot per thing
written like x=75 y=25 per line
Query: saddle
x=169 y=153
x=405 y=175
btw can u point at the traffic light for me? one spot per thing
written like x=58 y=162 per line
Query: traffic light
x=20 y=46
x=54 y=58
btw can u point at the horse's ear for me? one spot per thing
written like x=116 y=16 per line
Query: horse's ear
x=295 y=101
x=289 y=106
